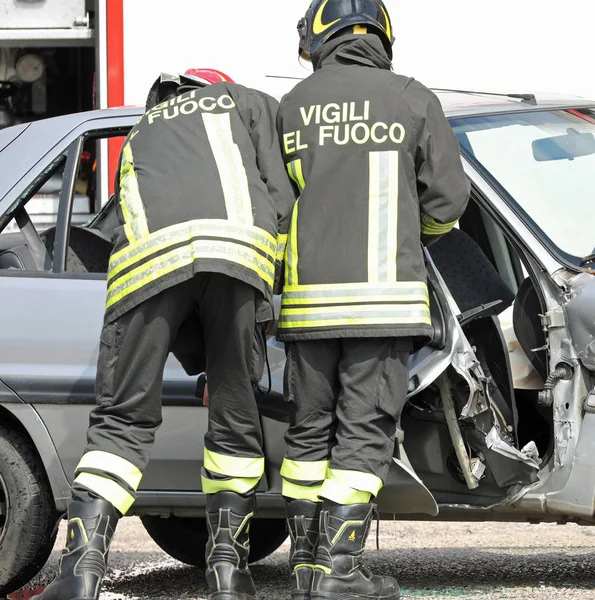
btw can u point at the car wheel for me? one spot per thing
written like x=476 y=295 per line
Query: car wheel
x=185 y=539
x=27 y=514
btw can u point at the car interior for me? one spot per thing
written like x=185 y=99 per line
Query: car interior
x=88 y=247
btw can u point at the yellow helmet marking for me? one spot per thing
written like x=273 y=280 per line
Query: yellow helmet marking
x=388 y=30
x=352 y=536
x=318 y=26
x=360 y=29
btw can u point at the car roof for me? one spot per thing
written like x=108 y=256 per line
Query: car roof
x=455 y=104
x=464 y=103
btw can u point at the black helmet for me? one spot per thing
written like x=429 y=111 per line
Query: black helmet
x=325 y=18
x=167 y=86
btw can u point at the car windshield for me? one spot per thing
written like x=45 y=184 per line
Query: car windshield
x=545 y=160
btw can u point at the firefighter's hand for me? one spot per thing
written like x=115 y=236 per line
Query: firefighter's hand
x=205 y=396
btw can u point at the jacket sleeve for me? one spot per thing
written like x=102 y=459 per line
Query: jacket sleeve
x=442 y=186
x=273 y=172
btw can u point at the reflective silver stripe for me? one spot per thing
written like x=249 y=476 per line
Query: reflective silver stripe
x=346 y=294
x=232 y=172
x=383 y=216
x=281 y=245
x=184 y=232
x=131 y=204
x=373 y=217
x=393 y=216
x=178 y=258
x=334 y=313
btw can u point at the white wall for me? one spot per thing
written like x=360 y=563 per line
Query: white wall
x=501 y=45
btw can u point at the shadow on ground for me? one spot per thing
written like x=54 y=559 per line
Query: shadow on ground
x=421 y=572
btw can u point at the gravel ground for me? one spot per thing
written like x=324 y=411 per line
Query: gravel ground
x=431 y=560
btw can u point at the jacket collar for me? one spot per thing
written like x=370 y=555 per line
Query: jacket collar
x=353 y=49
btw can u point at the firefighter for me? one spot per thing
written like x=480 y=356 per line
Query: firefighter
x=203 y=202
x=378 y=169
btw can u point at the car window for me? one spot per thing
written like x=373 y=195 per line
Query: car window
x=63 y=202
x=42 y=197
x=89 y=246
x=545 y=160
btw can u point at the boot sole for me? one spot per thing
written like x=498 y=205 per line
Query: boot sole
x=329 y=596
x=230 y=596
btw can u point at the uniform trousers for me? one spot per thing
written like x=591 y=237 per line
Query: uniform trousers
x=132 y=356
x=346 y=396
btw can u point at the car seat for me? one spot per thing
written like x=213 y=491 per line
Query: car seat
x=470 y=276
x=88 y=252
x=527 y=326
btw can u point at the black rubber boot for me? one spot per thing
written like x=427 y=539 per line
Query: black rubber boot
x=228 y=519
x=83 y=562
x=340 y=572
x=302 y=520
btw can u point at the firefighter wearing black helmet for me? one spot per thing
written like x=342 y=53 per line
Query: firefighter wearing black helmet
x=378 y=171
x=203 y=201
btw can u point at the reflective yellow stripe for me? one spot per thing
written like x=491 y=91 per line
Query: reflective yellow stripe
x=291 y=254
x=299 y=174
x=232 y=173
x=302 y=470
x=356 y=287
x=181 y=257
x=239 y=485
x=296 y=173
x=131 y=204
x=233 y=466
x=184 y=232
x=345 y=525
x=430 y=226
x=357 y=480
x=343 y=494
x=107 y=489
x=336 y=316
x=304 y=566
x=281 y=244
x=79 y=523
x=301 y=492
x=356 y=293
x=327 y=570
x=111 y=463
x=383 y=216
x=285 y=324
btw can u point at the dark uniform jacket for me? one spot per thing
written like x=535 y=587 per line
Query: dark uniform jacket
x=202 y=188
x=378 y=167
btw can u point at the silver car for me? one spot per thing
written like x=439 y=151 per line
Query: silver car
x=500 y=423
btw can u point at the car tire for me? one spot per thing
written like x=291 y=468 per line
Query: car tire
x=28 y=519
x=185 y=539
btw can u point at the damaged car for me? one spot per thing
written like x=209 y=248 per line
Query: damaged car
x=500 y=419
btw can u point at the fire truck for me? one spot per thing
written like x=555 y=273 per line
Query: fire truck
x=59 y=57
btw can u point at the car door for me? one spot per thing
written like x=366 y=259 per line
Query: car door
x=51 y=320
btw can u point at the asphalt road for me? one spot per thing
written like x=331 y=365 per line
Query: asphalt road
x=431 y=560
